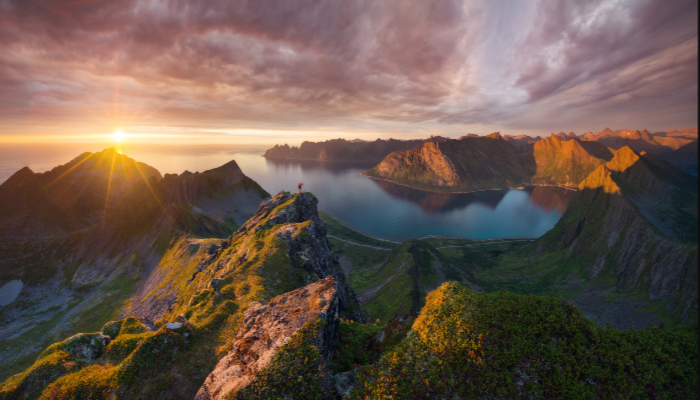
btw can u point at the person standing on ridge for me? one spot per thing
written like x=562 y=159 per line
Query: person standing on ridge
x=300 y=185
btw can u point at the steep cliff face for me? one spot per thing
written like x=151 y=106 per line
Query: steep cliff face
x=293 y=219
x=467 y=164
x=635 y=219
x=568 y=162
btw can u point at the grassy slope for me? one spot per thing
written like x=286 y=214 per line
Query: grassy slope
x=514 y=266
x=169 y=363
x=81 y=314
x=502 y=345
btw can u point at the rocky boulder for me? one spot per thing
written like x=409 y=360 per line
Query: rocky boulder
x=267 y=327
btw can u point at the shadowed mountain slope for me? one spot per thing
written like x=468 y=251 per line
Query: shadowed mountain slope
x=635 y=220
x=685 y=157
x=72 y=196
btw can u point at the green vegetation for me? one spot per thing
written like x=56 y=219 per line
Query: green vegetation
x=336 y=228
x=143 y=364
x=503 y=345
x=90 y=383
x=398 y=286
x=357 y=345
x=295 y=371
x=463 y=344
x=92 y=312
x=31 y=382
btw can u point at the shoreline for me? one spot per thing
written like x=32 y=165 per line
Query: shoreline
x=473 y=191
x=317 y=160
x=431 y=236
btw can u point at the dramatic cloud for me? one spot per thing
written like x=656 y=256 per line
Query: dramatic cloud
x=347 y=66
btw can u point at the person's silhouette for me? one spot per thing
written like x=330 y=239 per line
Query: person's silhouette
x=300 y=185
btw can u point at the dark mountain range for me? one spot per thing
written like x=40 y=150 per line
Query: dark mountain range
x=70 y=197
x=342 y=150
x=685 y=157
x=522 y=143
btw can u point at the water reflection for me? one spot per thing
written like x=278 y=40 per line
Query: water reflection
x=431 y=202
x=311 y=166
x=547 y=198
x=551 y=197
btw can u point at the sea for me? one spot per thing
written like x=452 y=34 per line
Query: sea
x=377 y=208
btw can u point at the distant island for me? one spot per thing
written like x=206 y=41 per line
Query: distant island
x=341 y=150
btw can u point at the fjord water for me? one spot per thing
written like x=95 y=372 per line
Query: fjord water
x=377 y=208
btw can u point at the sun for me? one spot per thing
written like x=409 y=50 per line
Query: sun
x=119 y=135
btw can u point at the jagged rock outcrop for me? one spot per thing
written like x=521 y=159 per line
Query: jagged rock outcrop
x=267 y=327
x=467 y=164
x=294 y=219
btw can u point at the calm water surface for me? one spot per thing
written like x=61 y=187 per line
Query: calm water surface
x=377 y=208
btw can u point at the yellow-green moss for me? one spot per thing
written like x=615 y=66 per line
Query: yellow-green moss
x=502 y=345
x=90 y=383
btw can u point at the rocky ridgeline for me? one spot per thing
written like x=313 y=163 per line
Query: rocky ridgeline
x=66 y=239
x=67 y=198
x=294 y=219
x=268 y=327
x=191 y=187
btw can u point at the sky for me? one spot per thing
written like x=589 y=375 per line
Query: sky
x=261 y=71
